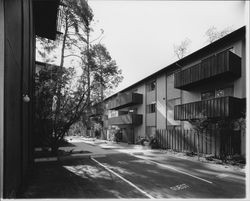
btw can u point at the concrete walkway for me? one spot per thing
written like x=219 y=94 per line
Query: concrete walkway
x=98 y=147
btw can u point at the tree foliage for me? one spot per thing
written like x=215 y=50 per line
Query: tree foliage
x=200 y=125
x=106 y=74
x=65 y=94
x=213 y=34
x=181 y=50
x=50 y=124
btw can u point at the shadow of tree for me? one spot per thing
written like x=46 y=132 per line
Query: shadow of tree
x=158 y=179
x=76 y=178
x=199 y=168
x=66 y=144
x=82 y=178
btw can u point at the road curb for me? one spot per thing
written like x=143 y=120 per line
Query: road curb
x=75 y=156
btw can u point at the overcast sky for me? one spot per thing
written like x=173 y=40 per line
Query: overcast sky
x=140 y=34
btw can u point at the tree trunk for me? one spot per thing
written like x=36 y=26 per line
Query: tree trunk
x=59 y=85
x=54 y=146
x=64 y=41
x=88 y=68
x=54 y=150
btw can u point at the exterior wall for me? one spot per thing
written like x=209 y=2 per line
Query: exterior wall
x=246 y=138
x=161 y=102
x=150 y=99
x=1 y=94
x=173 y=98
x=28 y=78
x=150 y=117
x=240 y=84
x=17 y=82
x=13 y=91
x=141 y=129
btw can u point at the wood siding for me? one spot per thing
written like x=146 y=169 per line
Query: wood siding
x=18 y=79
x=225 y=64
x=212 y=108
x=128 y=119
x=125 y=100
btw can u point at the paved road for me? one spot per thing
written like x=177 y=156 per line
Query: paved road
x=107 y=170
x=76 y=178
x=163 y=181
x=159 y=176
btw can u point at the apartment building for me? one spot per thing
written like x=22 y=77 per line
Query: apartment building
x=209 y=82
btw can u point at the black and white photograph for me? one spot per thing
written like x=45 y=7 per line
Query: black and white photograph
x=124 y=99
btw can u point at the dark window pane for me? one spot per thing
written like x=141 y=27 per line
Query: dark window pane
x=151 y=86
x=207 y=95
x=150 y=108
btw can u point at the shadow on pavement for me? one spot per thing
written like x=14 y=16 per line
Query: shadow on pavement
x=82 y=178
x=75 y=178
x=158 y=180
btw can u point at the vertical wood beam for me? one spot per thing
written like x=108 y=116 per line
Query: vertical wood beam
x=1 y=93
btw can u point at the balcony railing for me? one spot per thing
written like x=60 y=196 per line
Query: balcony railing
x=212 y=108
x=125 y=100
x=226 y=65
x=128 y=119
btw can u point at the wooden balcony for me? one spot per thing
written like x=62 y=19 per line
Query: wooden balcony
x=125 y=100
x=212 y=108
x=128 y=119
x=225 y=65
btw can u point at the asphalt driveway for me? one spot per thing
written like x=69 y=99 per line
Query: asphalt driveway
x=109 y=170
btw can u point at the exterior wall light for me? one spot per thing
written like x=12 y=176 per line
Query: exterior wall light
x=26 y=98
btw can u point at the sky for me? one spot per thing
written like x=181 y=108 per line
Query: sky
x=140 y=35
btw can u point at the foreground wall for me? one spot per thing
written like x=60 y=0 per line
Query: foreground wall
x=1 y=93
x=18 y=57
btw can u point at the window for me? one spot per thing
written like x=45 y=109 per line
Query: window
x=151 y=108
x=122 y=112
x=207 y=95
x=151 y=86
x=112 y=113
x=228 y=91
x=219 y=93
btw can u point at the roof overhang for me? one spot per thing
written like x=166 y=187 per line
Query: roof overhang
x=45 y=14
